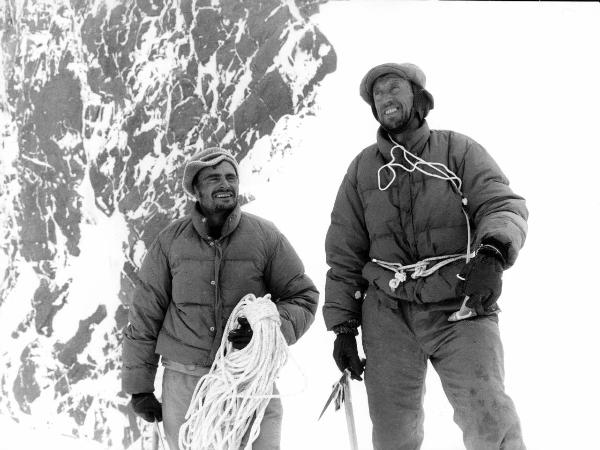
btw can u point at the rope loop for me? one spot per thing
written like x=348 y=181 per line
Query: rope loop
x=420 y=269
x=435 y=170
x=432 y=169
x=229 y=402
x=260 y=309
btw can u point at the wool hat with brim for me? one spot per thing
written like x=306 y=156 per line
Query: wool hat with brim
x=205 y=158
x=408 y=71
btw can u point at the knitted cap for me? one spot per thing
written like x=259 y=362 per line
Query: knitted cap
x=205 y=158
x=408 y=71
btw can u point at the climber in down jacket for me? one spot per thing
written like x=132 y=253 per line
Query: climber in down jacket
x=192 y=276
x=423 y=226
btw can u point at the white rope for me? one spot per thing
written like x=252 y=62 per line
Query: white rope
x=442 y=172
x=418 y=269
x=233 y=396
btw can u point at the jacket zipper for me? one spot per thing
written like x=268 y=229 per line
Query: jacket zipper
x=217 y=304
x=413 y=241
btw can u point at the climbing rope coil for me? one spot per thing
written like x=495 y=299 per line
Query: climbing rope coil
x=435 y=170
x=232 y=398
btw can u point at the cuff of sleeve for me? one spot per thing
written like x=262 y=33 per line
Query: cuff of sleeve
x=491 y=246
x=138 y=380
x=288 y=331
x=348 y=327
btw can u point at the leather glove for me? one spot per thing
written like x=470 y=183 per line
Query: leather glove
x=240 y=337
x=147 y=406
x=346 y=356
x=481 y=279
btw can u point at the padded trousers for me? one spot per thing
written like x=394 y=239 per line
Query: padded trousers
x=398 y=339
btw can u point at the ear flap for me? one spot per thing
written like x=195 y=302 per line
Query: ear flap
x=422 y=102
x=374 y=111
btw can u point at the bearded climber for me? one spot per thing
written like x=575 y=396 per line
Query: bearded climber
x=193 y=275
x=424 y=223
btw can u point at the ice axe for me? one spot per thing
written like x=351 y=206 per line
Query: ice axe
x=157 y=438
x=463 y=313
x=341 y=394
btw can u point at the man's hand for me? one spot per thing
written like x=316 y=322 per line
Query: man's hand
x=346 y=356
x=147 y=407
x=481 y=279
x=240 y=337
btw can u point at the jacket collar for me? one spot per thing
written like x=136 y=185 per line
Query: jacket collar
x=201 y=226
x=413 y=140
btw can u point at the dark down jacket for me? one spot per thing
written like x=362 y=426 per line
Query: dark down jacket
x=190 y=283
x=417 y=217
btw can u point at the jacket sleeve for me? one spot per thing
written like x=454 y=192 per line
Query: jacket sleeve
x=291 y=290
x=495 y=210
x=347 y=251
x=146 y=314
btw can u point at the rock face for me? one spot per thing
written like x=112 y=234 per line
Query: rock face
x=100 y=103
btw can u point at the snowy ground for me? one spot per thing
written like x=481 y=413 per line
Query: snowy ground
x=32 y=436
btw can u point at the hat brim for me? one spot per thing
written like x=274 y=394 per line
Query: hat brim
x=409 y=72
x=193 y=167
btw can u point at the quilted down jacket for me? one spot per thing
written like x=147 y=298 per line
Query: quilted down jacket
x=417 y=217
x=189 y=284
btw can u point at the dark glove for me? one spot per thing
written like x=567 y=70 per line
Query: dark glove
x=147 y=406
x=481 y=279
x=346 y=356
x=240 y=337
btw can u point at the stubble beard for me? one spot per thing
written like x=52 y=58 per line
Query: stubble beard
x=216 y=208
x=397 y=128
x=225 y=208
x=402 y=124
x=398 y=125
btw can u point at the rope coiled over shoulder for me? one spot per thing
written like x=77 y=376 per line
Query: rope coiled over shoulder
x=437 y=170
x=231 y=399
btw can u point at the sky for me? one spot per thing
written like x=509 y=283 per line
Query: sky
x=519 y=78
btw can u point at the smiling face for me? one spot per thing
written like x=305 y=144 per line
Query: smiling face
x=216 y=188
x=393 y=100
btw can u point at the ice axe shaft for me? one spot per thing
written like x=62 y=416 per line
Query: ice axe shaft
x=349 y=412
x=341 y=394
x=157 y=438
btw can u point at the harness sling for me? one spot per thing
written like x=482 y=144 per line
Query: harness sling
x=424 y=268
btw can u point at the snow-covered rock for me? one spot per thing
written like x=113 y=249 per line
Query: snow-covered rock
x=100 y=104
